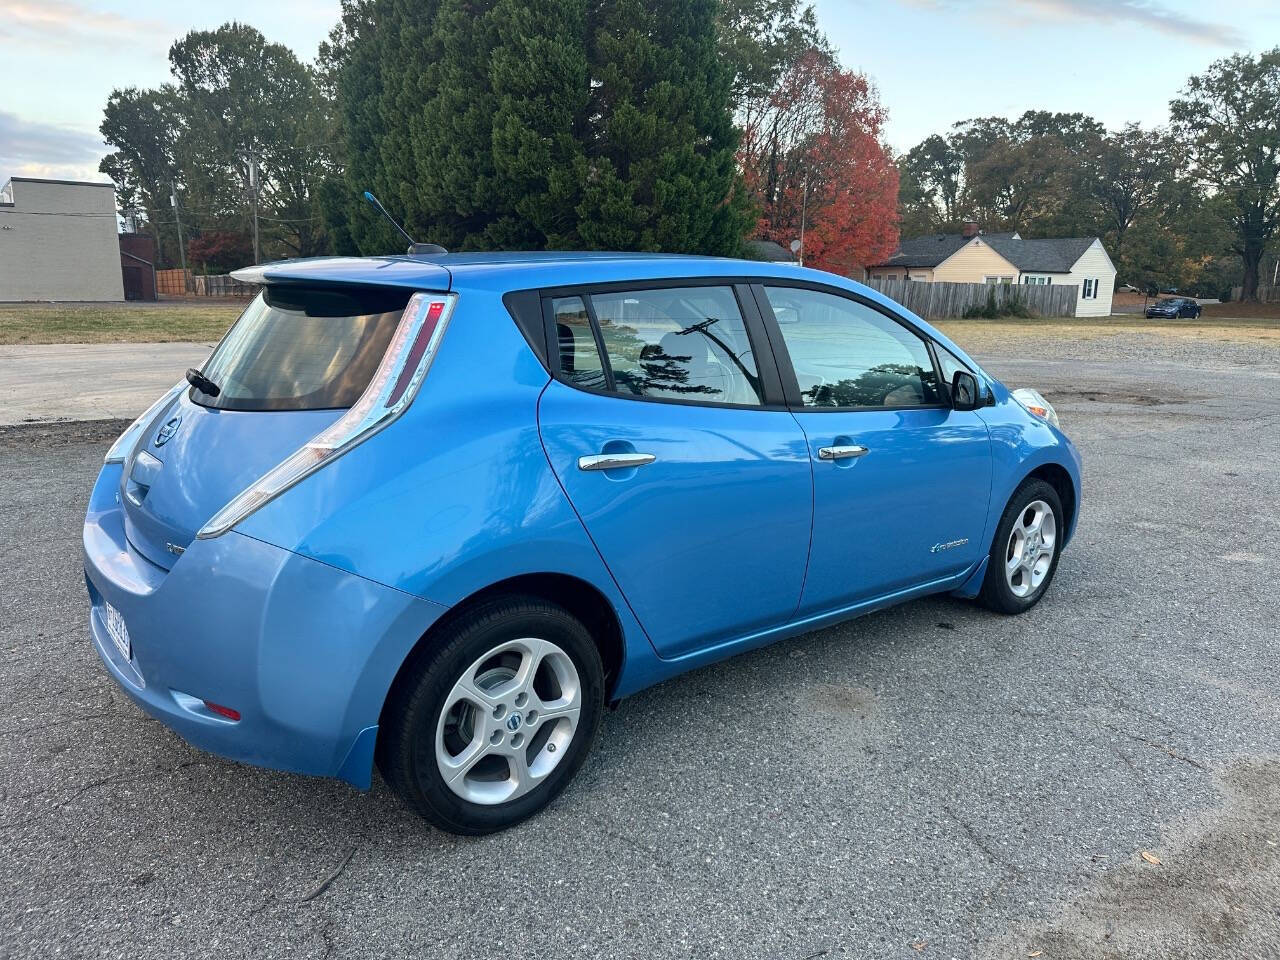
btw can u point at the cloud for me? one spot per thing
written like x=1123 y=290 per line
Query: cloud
x=1143 y=14
x=60 y=20
x=31 y=148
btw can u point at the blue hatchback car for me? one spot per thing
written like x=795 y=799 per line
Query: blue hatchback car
x=435 y=512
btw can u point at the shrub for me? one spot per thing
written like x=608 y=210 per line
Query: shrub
x=1014 y=306
x=220 y=251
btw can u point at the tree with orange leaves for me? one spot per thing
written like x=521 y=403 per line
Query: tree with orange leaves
x=812 y=149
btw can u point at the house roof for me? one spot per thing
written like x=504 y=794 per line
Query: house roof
x=1056 y=255
x=1048 y=256
x=928 y=251
x=768 y=251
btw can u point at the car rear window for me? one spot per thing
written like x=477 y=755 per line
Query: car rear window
x=301 y=349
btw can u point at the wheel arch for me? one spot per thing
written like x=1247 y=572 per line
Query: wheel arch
x=1058 y=477
x=582 y=599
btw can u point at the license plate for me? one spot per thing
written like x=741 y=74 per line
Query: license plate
x=119 y=632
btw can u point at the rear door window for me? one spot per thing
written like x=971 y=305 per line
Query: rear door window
x=301 y=349
x=666 y=343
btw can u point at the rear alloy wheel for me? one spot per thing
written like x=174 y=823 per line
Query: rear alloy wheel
x=1024 y=554
x=489 y=728
x=508 y=721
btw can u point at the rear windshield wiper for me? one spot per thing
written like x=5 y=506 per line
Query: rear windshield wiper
x=202 y=383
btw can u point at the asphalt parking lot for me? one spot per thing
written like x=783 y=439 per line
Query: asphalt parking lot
x=930 y=781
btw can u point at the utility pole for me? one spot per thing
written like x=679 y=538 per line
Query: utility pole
x=182 y=246
x=804 y=209
x=253 y=190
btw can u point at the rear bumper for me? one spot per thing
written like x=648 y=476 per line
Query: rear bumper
x=304 y=651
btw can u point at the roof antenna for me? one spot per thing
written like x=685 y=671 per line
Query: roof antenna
x=414 y=246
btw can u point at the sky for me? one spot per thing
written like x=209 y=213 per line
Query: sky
x=935 y=62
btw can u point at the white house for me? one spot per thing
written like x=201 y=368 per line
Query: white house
x=58 y=241
x=976 y=257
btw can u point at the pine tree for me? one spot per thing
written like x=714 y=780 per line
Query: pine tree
x=661 y=173
x=449 y=102
x=491 y=124
x=541 y=79
x=369 y=33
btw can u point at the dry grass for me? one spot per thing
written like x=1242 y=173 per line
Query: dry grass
x=1242 y=311
x=115 y=323
x=205 y=322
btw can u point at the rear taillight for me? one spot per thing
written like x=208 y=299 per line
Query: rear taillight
x=421 y=341
x=392 y=389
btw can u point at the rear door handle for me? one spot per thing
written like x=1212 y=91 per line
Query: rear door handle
x=842 y=453
x=615 y=461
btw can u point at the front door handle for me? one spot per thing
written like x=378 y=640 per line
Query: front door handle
x=615 y=461
x=845 y=452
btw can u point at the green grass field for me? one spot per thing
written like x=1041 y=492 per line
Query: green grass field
x=115 y=323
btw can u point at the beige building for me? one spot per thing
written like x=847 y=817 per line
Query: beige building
x=976 y=257
x=58 y=241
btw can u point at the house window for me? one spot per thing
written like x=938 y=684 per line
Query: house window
x=1036 y=281
x=1088 y=290
x=920 y=277
x=995 y=280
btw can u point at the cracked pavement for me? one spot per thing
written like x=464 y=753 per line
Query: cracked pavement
x=931 y=780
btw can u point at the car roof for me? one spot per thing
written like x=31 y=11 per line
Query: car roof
x=515 y=270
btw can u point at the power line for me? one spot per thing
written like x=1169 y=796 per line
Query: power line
x=54 y=213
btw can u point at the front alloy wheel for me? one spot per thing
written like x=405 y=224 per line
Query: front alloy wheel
x=1029 y=553
x=1024 y=554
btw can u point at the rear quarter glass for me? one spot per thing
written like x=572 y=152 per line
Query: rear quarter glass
x=303 y=349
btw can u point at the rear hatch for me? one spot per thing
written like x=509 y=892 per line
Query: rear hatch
x=294 y=361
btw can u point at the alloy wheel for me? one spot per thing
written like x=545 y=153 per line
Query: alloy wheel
x=508 y=721
x=1029 y=553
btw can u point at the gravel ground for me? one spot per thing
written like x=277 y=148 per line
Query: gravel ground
x=927 y=781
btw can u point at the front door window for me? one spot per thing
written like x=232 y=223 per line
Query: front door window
x=846 y=354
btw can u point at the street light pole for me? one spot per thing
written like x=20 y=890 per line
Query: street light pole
x=253 y=189
x=804 y=209
x=182 y=246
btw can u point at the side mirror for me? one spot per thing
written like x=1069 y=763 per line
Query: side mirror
x=965 y=392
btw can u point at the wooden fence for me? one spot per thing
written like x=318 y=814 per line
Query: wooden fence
x=1266 y=293
x=172 y=283
x=953 y=299
x=221 y=285
x=180 y=283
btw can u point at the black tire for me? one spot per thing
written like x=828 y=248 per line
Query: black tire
x=996 y=594
x=406 y=752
